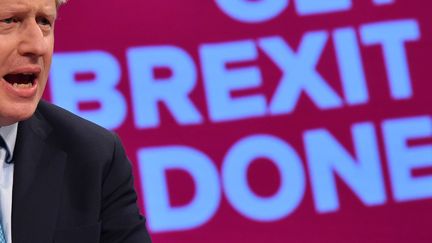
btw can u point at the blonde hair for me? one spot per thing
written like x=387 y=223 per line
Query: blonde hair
x=60 y=2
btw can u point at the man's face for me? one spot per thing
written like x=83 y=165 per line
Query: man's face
x=26 y=47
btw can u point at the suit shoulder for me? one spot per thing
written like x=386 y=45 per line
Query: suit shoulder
x=71 y=126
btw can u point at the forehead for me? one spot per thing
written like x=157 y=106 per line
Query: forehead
x=43 y=6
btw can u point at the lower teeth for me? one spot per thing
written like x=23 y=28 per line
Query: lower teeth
x=16 y=85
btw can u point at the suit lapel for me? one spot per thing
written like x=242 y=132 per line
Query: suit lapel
x=38 y=173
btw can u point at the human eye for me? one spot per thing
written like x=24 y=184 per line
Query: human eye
x=10 y=20
x=44 y=21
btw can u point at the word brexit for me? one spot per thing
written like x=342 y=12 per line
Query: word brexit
x=299 y=76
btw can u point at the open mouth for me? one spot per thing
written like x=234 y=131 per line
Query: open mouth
x=21 y=80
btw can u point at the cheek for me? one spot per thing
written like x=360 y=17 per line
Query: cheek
x=41 y=86
x=49 y=40
x=5 y=53
x=47 y=65
x=48 y=57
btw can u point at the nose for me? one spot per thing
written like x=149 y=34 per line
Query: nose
x=33 y=40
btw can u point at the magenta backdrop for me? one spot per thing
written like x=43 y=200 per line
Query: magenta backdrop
x=115 y=26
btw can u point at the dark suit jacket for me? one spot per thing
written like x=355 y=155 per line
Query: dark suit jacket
x=72 y=183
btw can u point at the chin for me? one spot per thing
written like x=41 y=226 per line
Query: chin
x=16 y=113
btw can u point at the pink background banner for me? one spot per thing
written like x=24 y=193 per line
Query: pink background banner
x=264 y=120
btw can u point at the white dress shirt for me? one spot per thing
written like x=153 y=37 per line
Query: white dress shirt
x=9 y=134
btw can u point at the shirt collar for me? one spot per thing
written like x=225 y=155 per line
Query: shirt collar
x=9 y=134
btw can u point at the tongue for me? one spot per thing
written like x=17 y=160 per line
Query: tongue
x=19 y=78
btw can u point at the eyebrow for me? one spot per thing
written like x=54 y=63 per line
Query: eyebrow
x=50 y=15
x=22 y=9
